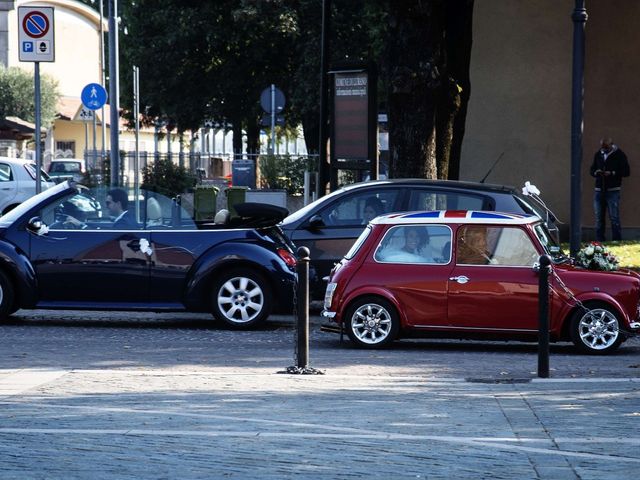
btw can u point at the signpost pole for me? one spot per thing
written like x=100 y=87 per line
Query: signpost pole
x=273 y=119
x=136 y=114
x=95 y=146
x=36 y=135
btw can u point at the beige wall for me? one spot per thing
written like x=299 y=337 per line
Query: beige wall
x=520 y=103
x=521 y=97
x=612 y=103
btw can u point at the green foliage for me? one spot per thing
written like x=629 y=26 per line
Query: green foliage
x=17 y=97
x=165 y=177
x=284 y=172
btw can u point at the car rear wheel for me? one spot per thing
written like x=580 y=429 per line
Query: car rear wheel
x=6 y=297
x=372 y=322
x=241 y=298
x=597 y=330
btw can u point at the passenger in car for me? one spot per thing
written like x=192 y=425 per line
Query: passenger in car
x=416 y=248
x=472 y=246
x=372 y=208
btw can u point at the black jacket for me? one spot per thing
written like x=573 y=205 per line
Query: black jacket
x=616 y=163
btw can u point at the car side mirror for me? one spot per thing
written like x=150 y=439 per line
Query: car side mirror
x=37 y=226
x=316 y=222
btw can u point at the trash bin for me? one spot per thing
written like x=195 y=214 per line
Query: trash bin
x=235 y=195
x=205 y=201
x=243 y=173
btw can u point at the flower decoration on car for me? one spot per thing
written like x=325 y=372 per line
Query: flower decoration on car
x=596 y=256
x=530 y=189
x=145 y=247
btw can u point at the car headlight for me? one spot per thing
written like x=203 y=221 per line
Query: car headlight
x=328 y=295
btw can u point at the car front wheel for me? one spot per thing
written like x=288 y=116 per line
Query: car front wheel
x=372 y=322
x=6 y=297
x=596 y=330
x=241 y=298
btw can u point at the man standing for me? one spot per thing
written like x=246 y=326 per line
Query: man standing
x=609 y=166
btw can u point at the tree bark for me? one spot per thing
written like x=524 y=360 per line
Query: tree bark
x=414 y=66
x=253 y=135
x=459 y=39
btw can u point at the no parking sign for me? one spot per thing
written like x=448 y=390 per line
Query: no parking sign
x=35 y=34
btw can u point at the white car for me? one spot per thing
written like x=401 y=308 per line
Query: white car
x=61 y=169
x=18 y=182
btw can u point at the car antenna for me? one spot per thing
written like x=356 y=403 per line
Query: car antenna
x=492 y=167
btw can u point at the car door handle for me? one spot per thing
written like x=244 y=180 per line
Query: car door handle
x=460 y=279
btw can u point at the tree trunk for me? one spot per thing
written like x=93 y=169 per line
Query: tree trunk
x=253 y=135
x=311 y=131
x=459 y=38
x=237 y=135
x=415 y=61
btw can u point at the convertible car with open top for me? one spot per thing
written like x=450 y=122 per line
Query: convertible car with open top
x=62 y=249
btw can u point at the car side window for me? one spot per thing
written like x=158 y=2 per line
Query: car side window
x=360 y=208
x=425 y=199
x=502 y=246
x=415 y=244
x=5 y=173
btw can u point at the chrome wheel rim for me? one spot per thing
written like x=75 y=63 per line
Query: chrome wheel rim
x=598 y=329
x=371 y=323
x=240 y=299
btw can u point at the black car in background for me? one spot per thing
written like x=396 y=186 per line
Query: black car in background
x=61 y=250
x=331 y=224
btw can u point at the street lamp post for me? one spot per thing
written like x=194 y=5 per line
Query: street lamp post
x=579 y=18
x=323 y=166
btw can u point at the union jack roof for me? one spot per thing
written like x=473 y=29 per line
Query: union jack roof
x=457 y=216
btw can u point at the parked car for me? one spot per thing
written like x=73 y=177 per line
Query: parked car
x=329 y=226
x=61 y=249
x=18 y=182
x=61 y=169
x=463 y=274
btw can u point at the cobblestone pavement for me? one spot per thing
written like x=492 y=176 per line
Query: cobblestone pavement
x=120 y=395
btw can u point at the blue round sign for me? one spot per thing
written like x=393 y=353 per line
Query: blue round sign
x=94 y=96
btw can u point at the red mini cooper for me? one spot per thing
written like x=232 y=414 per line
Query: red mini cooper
x=474 y=274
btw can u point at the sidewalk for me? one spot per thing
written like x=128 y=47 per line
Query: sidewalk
x=254 y=423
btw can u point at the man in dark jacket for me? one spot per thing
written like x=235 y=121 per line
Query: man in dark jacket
x=609 y=166
x=117 y=203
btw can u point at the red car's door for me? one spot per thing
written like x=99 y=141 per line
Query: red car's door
x=493 y=285
x=417 y=279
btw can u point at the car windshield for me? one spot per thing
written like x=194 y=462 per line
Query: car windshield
x=31 y=169
x=11 y=216
x=358 y=243
x=64 y=167
x=551 y=247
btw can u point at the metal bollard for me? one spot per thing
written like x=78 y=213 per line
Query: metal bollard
x=543 y=316
x=303 y=308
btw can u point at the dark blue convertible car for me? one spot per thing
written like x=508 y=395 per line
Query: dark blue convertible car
x=68 y=248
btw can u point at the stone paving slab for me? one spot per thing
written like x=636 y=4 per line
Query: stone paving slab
x=172 y=423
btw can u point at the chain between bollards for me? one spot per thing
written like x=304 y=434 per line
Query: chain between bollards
x=543 y=316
